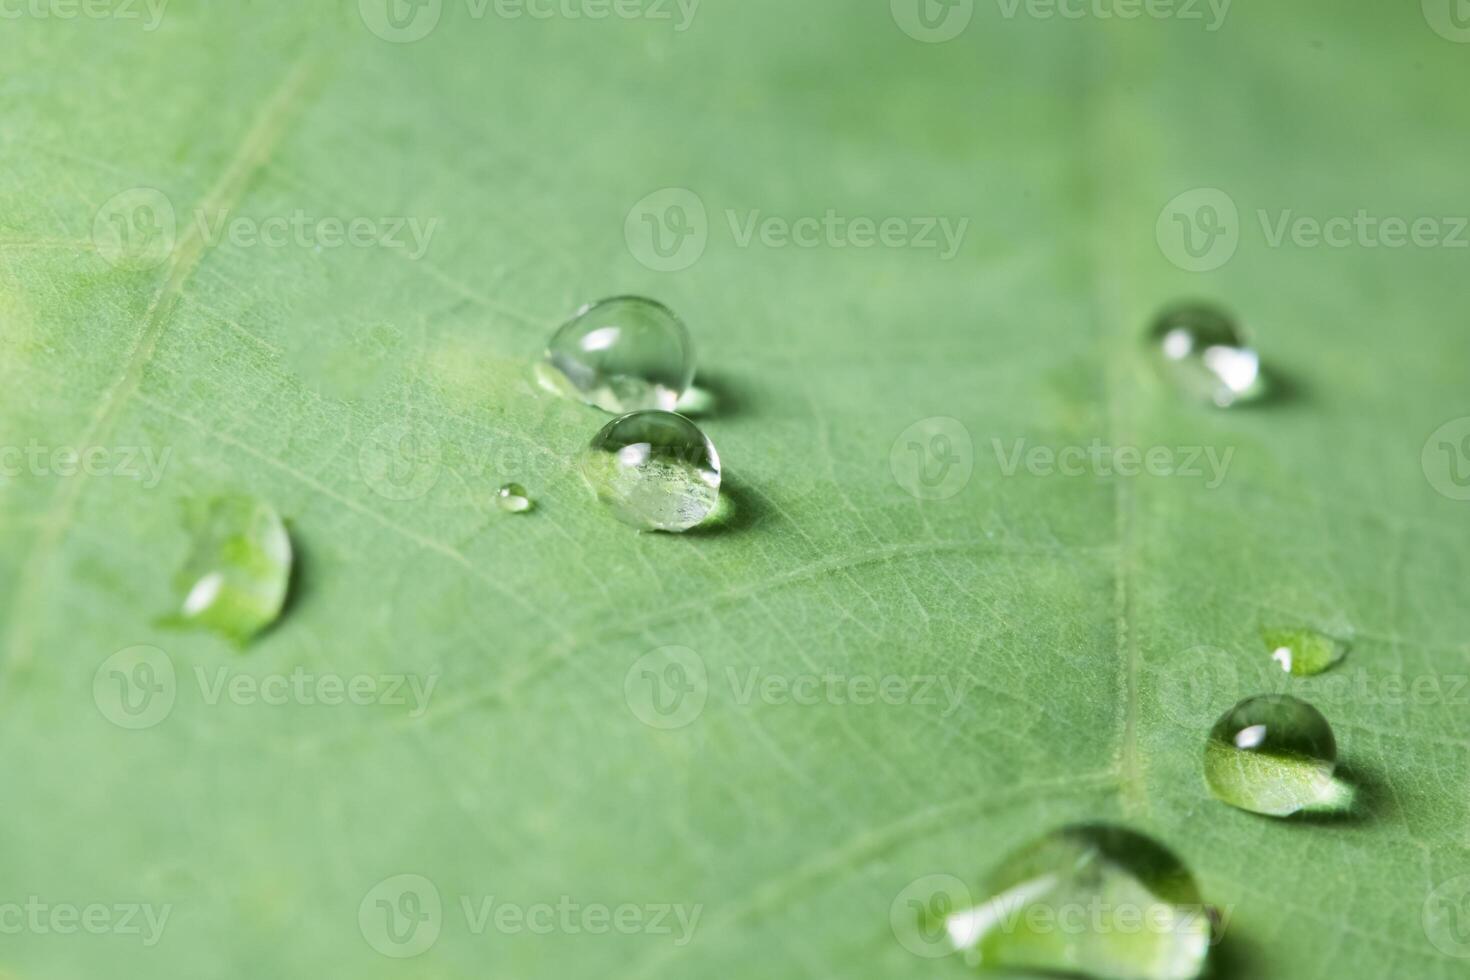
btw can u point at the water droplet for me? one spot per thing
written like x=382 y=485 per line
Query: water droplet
x=656 y=470
x=235 y=578
x=1204 y=353
x=622 y=355
x=513 y=499
x=1302 y=651
x=1274 y=754
x=1093 y=900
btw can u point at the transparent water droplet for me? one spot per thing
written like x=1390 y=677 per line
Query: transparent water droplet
x=235 y=578
x=622 y=354
x=1274 y=754
x=1302 y=651
x=1092 y=900
x=513 y=499
x=1204 y=352
x=656 y=470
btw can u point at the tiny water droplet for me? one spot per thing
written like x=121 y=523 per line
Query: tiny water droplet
x=1204 y=353
x=513 y=499
x=622 y=355
x=1302 y=651
x=1091 y=900
x=656 y=471
x=1274 y=754
x=235 y=578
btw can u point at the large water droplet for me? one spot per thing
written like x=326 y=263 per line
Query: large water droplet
x=1094 y=900
x=622 y=355
x=1274 y=754
x=656 y=471
x=1203 y=352
x=239 y=567
x=1302 y=651
x=513 y=499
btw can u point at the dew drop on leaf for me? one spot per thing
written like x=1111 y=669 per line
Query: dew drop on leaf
x=513 y=499
x=1203 y=352
x=656 y=470
x=1091 y=900
x=622 y=355
x=235 y=578
x=1274 y=754
x=1302 y=652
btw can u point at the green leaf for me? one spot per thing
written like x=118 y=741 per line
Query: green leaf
x=900 y=656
